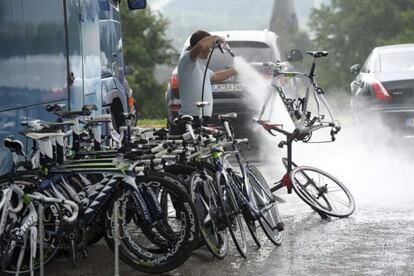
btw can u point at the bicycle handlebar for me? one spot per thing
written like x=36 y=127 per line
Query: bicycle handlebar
x=73 y=206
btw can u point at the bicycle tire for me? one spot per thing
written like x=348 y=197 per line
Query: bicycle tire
x=50 y=214
x=294 y=165
x=304 y=177
x=269 y=220
x=249 y=196
x=184 y=171
x=205 y=198
x=137 y=255
x=231 y=213
x=50 y=250
x=161 y=233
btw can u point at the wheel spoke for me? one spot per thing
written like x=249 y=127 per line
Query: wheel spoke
x=340 y=200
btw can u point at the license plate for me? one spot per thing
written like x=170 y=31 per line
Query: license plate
x=227 y=87
x=409 y=122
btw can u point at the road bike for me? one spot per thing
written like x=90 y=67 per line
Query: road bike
x=320 y=190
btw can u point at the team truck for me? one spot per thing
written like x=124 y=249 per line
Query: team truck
x=60 y=51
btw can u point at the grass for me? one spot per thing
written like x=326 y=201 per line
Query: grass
x=152 y=122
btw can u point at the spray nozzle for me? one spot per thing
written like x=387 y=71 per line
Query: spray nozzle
x=224 y=47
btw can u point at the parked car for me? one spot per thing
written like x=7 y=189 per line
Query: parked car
x=229 y=96
x=384 y=85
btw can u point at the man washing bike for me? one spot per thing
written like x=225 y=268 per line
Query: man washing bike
x=193 y=76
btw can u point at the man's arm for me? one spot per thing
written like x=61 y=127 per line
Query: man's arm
x=202 y=45
x=223 y=74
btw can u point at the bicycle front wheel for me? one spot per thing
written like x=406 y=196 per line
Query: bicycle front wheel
x=180 y=231
x=323 y=192
x=231 y=213
x=269 y=220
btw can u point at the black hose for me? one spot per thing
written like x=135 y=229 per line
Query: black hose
x=204 y=79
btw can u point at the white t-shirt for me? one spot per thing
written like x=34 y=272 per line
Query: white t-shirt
x=190 y=81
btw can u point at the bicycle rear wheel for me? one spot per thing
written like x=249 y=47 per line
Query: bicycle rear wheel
x=323 y=192
x=269 y=220
x=213 y=230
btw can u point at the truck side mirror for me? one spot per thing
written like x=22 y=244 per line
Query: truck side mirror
x=354 y=69
x=137 y=4
x=295 y=55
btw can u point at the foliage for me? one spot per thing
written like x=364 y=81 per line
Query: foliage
x=145 y=46
x=152 y=123
x=350 y=29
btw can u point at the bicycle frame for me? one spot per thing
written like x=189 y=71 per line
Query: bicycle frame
x=304 y=125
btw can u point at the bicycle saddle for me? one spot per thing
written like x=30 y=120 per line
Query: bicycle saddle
x=51 y=126
x=185 y=119
x=41 y=134
x=89 y=107
x=317 y=54
x=202 y=104
x=161 y=132
x=13 y=145
x=55 y=107
x=228 y=116
x=70 y=114
x=100 y=119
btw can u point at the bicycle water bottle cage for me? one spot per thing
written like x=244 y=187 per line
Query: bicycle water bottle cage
x=89 y=107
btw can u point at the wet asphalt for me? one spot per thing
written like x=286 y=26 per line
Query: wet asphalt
x=378 y=239
x=373 y=241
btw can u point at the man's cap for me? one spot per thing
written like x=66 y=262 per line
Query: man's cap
x=196 y=37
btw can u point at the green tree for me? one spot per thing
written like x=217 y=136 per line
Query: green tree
x=350 y=29
x=145 y=46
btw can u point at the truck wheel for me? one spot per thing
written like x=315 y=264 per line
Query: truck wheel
x=116 y=110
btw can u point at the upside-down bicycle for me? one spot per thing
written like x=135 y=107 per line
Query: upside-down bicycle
x=320 y=190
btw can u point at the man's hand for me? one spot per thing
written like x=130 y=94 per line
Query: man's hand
x=203 y=45
x=223 y=75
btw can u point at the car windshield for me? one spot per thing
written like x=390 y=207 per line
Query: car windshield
x=249 y=50
x=397 y=62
